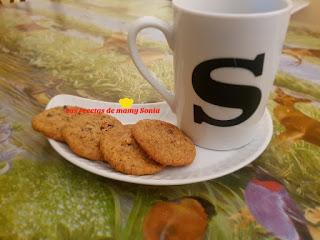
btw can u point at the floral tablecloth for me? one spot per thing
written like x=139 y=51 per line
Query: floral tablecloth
x=79 y=47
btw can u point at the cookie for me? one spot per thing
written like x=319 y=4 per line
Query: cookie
x=164 y=142
x=51 y=121
x=83 y=133
x=122 y=152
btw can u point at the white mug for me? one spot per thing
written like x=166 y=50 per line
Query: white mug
x=226 y=54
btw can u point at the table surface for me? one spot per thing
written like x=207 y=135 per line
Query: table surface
x=78 y=47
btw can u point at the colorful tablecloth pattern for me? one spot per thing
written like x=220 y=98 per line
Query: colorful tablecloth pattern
x=80 y=48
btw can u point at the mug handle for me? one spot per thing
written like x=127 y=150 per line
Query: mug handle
x=135 y=28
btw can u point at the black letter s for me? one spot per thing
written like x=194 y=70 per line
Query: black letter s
x=244 y=97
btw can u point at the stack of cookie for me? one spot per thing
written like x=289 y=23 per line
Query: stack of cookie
x=139 y=149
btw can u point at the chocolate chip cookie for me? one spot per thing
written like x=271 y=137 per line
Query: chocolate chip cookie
x=83 y=133
x=51 y=121
x=164 y=142
x=122 y=152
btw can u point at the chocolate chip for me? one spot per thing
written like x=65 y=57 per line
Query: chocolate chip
x=106 y=127
x=170 y=131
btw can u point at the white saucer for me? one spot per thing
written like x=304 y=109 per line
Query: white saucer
x=207 y=165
